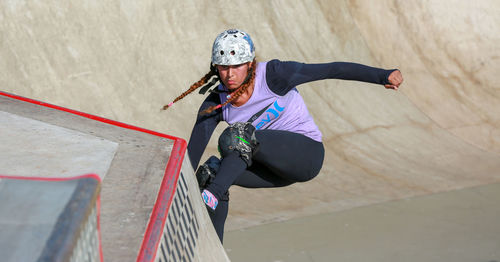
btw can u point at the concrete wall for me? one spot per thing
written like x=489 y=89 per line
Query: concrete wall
x=124 y=60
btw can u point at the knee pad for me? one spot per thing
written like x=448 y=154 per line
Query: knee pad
x=206 y=172
x=239 y=137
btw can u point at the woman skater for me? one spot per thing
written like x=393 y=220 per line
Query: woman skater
x=272 y=140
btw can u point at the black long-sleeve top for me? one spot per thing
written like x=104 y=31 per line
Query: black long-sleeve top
x=281 y=77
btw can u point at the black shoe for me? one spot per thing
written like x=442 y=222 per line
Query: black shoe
x=206 y=172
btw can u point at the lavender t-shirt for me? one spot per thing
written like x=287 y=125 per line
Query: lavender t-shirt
x=287 y=112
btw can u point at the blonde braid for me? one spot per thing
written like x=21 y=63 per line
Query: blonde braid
x=238 y=92
x=194 y=86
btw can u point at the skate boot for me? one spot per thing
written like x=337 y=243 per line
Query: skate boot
x=206 y=172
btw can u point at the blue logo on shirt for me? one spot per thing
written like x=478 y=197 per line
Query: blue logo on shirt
x=271 y=114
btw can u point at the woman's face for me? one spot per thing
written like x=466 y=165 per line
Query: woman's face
x=233 y=75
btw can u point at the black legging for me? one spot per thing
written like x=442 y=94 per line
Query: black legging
x=283 y=158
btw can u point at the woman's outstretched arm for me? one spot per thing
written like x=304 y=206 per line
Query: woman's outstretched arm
x=282 y=76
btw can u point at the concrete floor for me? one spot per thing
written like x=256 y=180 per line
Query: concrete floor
x=461 y=225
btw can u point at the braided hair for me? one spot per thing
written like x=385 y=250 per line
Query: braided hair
x=201 y=82
x=249 y=81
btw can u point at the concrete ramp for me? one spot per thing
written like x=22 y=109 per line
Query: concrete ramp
x=49 y=219
x=151 y=207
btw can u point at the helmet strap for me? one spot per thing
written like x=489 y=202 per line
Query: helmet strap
x=249 y=75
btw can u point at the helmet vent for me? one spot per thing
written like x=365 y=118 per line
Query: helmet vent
x=221 y=52
x=232 y=52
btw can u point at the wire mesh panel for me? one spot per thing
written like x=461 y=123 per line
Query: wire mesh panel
x=180 y=228
x=180 y=234
x=87 y=246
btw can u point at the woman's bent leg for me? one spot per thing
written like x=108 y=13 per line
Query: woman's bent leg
x=283 y=158
x=218 y=217
x=288 y=155
x=259 y=176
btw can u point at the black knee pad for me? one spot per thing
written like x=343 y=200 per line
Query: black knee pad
x=239 y=137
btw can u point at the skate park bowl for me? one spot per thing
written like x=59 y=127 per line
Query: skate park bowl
x=392 y=158
x=150 y=204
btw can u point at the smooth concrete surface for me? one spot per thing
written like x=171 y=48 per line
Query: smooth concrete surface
x=454 y=226
x=131 y=181
x=28 y=212
x=439 y=133
x=45 y=150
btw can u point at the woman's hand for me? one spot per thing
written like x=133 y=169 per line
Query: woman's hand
x=395 y=80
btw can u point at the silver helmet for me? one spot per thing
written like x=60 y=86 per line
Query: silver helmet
x=232 y=47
